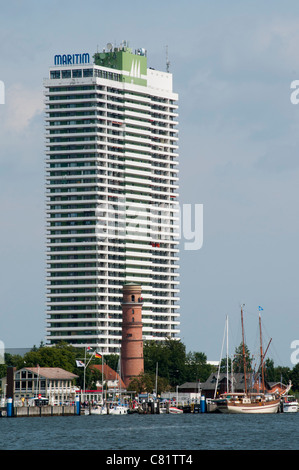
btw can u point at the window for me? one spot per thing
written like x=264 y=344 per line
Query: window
x=55 y=74
x=87 y=72
x=66 y=74
x=77 y=73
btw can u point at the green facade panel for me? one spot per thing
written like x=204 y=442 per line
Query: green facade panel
x=124 y=60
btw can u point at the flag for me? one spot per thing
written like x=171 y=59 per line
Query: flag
x=260 y=308
x=80 y=364
x=98 y=355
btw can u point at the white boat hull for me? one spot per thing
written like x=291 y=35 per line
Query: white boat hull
x=118 y=410
x=175 y=411
x=98 y=411
x=253 y=408
x=171 y=410
x=290 y=407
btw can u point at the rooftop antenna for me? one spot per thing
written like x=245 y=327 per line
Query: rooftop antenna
x=167 y=60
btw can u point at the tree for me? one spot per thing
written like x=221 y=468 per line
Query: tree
x=170 y=355
x=226 y=364
x=294 y=376
x=174 y=364
x=61 y=355
x=197 y=369
x=238 y=361
x=146 y=383
x=112 y=360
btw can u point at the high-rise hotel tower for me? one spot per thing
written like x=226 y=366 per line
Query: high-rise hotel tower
x=112 y=211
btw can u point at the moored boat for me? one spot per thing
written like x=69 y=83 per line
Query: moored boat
x=289 y=404
x=118 y=410
x=175 y=411
x=98 y=410
x=249 y=402
x=245 y=403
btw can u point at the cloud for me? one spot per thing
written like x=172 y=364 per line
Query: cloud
x=22 y=105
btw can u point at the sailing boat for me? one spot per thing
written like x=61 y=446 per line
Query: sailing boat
x=249 y=402
x=120 y=408
x=100 y=409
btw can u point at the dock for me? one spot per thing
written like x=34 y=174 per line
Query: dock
x=46 y=410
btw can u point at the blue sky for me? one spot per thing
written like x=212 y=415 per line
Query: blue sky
x=233 y=63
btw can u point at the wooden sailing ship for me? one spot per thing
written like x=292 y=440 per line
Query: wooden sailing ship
x=248 y=401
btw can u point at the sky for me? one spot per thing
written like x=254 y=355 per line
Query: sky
x=233 y=64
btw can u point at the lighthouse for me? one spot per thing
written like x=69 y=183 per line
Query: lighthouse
x=132 y=363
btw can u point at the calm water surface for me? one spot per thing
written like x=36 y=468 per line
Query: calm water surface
x=152 y=432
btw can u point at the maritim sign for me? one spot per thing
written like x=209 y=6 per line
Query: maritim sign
x=71 y=59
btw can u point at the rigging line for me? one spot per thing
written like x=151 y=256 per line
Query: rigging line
x=216 y=386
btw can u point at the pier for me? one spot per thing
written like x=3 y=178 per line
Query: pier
x=46 y=410
x=77 y=408
x=157 y=408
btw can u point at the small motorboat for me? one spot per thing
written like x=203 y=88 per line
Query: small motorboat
x=98 y=410
x=175 y=411
x=289 y=404
x=118 y=410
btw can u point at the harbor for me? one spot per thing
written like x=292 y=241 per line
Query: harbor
x=288 y=404
x=85 y=409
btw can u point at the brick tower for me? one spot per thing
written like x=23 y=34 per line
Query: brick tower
x=131 y=344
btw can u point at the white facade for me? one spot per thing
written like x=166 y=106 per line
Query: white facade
x=112 y=210
x=52 y=383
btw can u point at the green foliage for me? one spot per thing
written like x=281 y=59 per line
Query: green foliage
x=294 y=376
x=197 y=369
x=174 y=364
x=170 y=356
x=112 y=361
x=277 y=374
x=238 y=362
x=146 y=383
x=61 y=355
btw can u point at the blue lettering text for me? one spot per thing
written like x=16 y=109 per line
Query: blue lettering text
x=71 y=59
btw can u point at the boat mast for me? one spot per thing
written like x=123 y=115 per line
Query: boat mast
x=243 y=344
x=262 y=358
x=226 y=354
x=156 y=385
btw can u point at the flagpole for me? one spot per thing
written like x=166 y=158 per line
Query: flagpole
x=102 y=379
x=84 y=370
x=86 y=365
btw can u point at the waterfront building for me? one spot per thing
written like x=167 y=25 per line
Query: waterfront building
x=54 y=384
x=112 y=211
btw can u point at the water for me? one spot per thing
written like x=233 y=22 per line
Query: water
x=152 y=432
